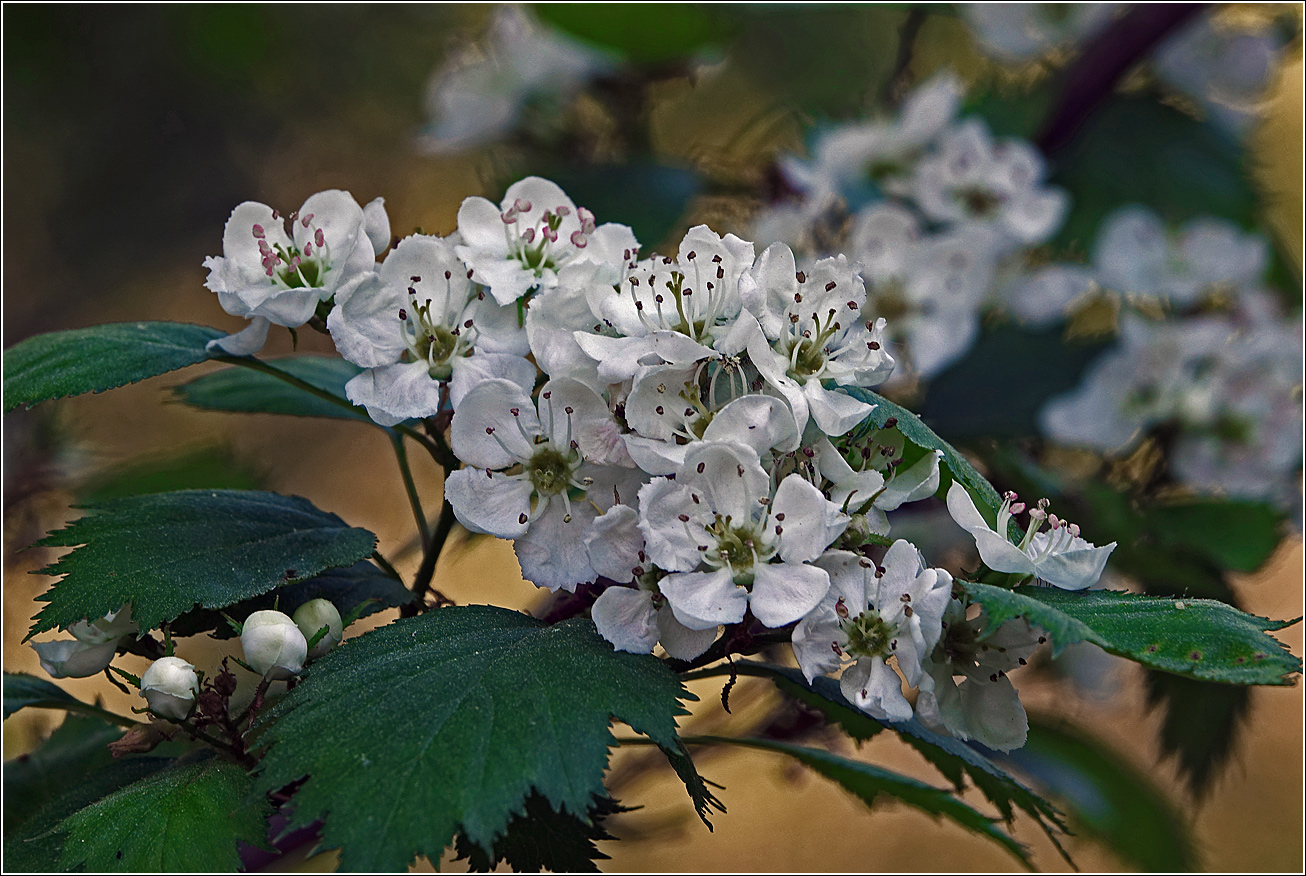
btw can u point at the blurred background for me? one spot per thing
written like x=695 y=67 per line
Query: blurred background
x=130 y=133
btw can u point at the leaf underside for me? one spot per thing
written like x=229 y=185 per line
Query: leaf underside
x=243 y=390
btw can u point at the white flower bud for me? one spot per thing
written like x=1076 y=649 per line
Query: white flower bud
x=313 y=616
x=70 y=658
x=108 y=629
x=273 y=644
x=170 y=686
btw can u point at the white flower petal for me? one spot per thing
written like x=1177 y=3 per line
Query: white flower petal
x=627 y=619
x=702 y=600
x=784 y=592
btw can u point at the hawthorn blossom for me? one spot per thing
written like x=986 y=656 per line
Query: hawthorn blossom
x=983 y=705
x=872 y=613
x=534 y=474
x=1017 y=32
x=1058 y=556
x=733 y=544
x=813 y=329
x=867 y=494
x=524 y=243
x=277 y=278
x=92 y=647
x=414 y=326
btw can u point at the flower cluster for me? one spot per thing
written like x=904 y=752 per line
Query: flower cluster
x=938 y=207
x=676 y=431
x=1224 y=369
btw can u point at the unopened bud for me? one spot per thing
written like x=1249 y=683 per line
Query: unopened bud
x=273 y=644
x=311 y=617
x=171 y=687
x=70 y=658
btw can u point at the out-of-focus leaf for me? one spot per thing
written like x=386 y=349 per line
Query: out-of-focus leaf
x=166 y=552
x=101 y=357
x=444 y=723
x=867 y=782
x=1234 y=535
x=997 y=389
x=75 y=749
x=1114 y=162
x=244 y=390
x=28 y=691
x=647 y=196
x=1201 y=722
x=1198 y=638
x=646 y=33
x=204 y=468
x=1106 y=798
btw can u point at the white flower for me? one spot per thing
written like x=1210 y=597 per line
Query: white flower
x=635 y=620
x=996 y=185
x=733 y=545
x=813 y=329
x=535 y=475
x=272 y=277
x=1020 y=31
x=1224 y=70
x=273 y=644
x=311 y=617
x=170 y=686
x=111 y=628
x=865 y=492
x=1059 y=556
x=523 y=244
x=413 y=326
x=869 y=615
x=1044 y=296
x=478 y=96
x=984 y=705
x=71 y=658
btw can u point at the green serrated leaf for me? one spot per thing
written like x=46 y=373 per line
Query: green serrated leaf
x=867 y=782
x=101 y=357
x=951 y=757
x=362 y=587
x=187 y=817
x=167 y=552
x=921 y=435
x=247 y=391
x=703 y=799
x=35 y=846
x=444 y=723
x=1198 y=638
x=1107 y=799
x=73 y=751
x=543 y=839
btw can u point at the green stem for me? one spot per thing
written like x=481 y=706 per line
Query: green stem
x=401 y=453
x=425 y=572
x=386 y=567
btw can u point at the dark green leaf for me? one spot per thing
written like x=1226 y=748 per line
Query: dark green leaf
x=203 y=468
x=1201 y=721
x=647 y=33
x=184 y=818
x=23 y=690
x=245 y=390
x=74 y=750
x=1198 y=638
x=346 y=588
x=164 y=553
x=543 y=839
x=1113 y=162
x=918 y=433
x=1234 y=535
x=953 y=758
x=704 y=800
x=1106 y=798
x=102 y=357
x=647 y=196
x=997 y=389
x=444 y=723
x=868 y=781
x=36 y=845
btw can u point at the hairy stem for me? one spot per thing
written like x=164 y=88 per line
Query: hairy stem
x=401 y=454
